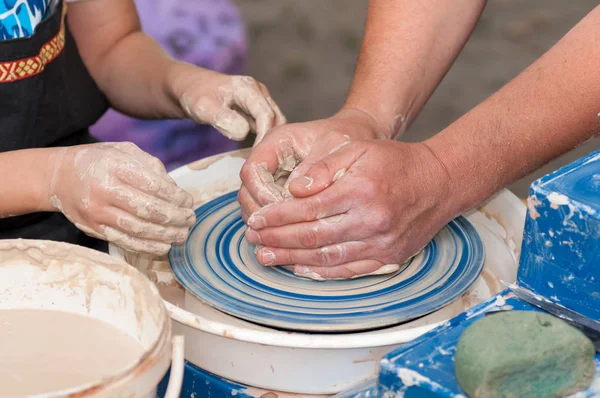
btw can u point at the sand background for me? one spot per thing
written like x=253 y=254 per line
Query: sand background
x=306 y=51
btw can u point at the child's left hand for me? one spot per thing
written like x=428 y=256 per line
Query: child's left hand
x=234 y=105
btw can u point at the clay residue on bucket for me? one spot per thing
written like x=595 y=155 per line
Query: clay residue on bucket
x=79 y=269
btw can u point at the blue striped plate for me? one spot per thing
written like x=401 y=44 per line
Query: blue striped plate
x=218 y=266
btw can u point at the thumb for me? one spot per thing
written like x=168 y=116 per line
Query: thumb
x=229 y=122
x=326 y=171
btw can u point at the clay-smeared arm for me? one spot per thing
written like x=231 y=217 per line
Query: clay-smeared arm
x=408 y=47
x=112 y=191
x=393 y=197
x=142 y=80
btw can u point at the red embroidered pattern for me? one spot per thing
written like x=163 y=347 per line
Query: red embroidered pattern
x=26 y=67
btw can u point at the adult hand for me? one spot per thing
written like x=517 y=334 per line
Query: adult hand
x=290 y=150
x=234 y=105
x=117 y=192
x=363 y=209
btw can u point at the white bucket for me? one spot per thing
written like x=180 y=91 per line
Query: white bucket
x=58 y=276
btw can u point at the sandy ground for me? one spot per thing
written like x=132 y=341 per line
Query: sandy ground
x=306 y=50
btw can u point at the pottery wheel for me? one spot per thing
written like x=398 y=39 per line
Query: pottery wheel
x=218 y=266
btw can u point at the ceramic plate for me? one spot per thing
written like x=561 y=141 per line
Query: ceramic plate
x=218 y=266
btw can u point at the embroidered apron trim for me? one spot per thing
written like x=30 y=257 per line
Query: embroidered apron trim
x=20 y=69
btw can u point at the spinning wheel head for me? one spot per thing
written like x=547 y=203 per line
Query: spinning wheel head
x=218 y=266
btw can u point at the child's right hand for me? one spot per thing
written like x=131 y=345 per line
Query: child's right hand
x=119 y=193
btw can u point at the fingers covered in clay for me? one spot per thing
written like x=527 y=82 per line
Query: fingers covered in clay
x=285 y=155
x=327 y=207
x=118 y=193
x=312 y=205
x=228 y=122
x=234 y=105
x=139 y=228
x=247 y=95
x=290 y=150
x=279 y=118
x=249 y=205
x=327 y=143
x=328 y=256
x=153 y=163
x=150 y=208
x=132 y=173
x=276 y=170
x=264 y=172
x=134 y=244
x=326 y=171
x=383 y=210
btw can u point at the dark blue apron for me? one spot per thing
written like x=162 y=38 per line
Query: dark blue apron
x=47 y=99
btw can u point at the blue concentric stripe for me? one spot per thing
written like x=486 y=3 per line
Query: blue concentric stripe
x=218 y=266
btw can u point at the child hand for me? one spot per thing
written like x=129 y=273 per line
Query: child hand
x=234 y=105
x=119 y=193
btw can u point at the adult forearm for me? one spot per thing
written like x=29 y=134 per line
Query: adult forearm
x=546 y=111
x=408 y=47
x=25 y=178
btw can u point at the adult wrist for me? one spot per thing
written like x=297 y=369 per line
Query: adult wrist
x=440 y=158
x=469 y=184
x=391 y=123
x=375 y=129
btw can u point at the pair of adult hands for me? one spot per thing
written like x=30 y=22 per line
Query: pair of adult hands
x=335 y=202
